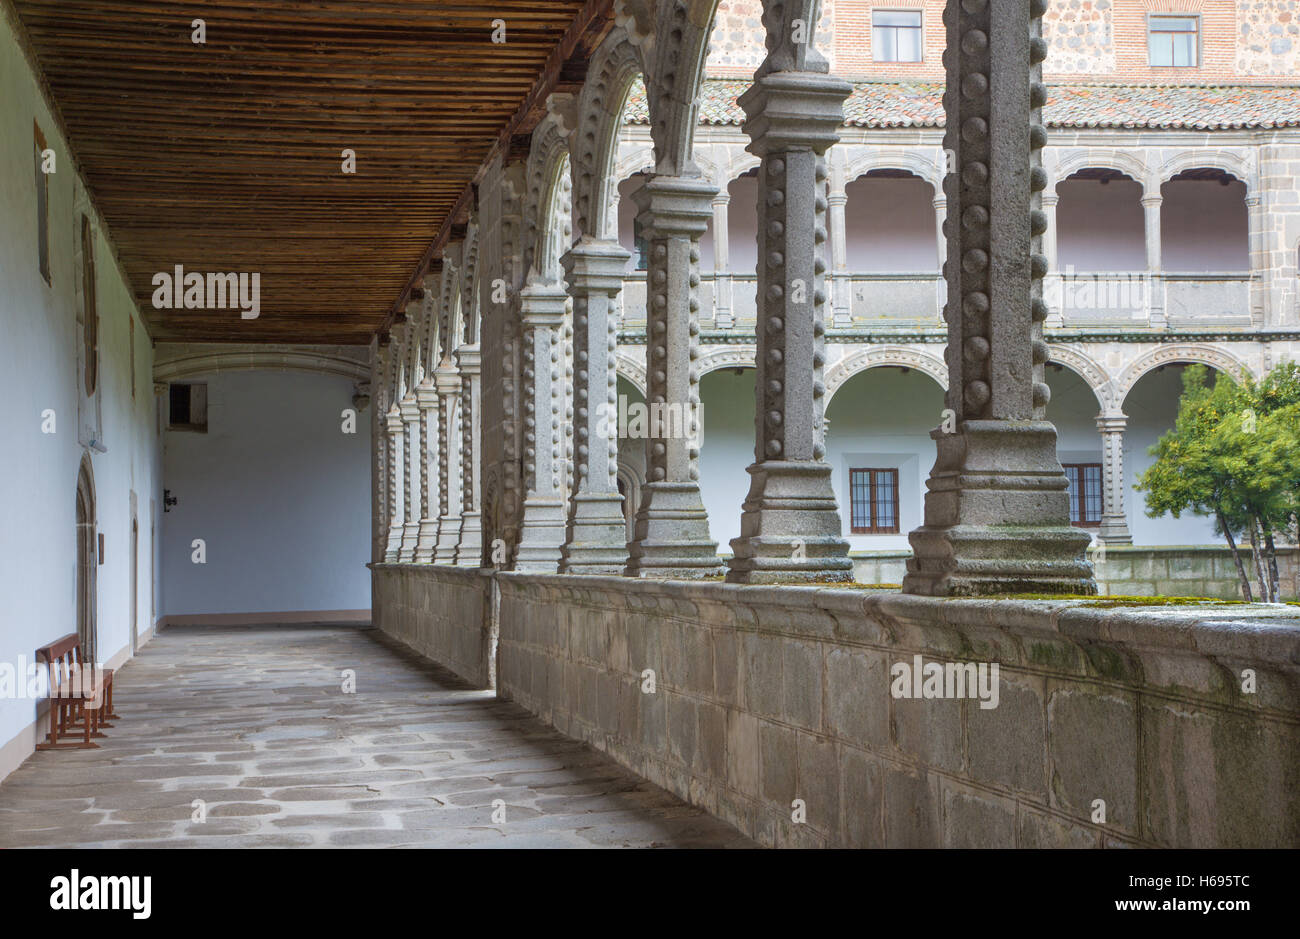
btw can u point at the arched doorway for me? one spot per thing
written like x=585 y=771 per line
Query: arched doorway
x=87 y=561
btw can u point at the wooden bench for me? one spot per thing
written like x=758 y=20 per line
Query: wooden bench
x=81 y=696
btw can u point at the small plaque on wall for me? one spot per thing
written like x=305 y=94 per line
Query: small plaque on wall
x=101 y=547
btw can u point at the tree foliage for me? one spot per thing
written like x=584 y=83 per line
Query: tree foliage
x=1233 y=455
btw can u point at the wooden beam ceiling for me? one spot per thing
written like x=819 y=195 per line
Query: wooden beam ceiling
x=226 y=156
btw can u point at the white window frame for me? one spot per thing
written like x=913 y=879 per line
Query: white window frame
x=1195 y=18
x=921 y=29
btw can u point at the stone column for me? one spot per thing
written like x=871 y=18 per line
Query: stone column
x=447 y=383
x=1155 y=293
x=842 y=279
x=542 y=531
x=396 y=483
x=723 y=312
x=1261 y=270
x=469 y=552
x=997 y=515
x=380 y=521
x=412 y=452
x=426 y=399
x=1053 y=287
x=790 y=527
x=1114 y=520
x=940 y=216
x=671 y=537
x=596 y=541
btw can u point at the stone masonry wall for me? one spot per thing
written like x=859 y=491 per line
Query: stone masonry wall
x=1097 y=40
x=764 y=696
x=444 y=618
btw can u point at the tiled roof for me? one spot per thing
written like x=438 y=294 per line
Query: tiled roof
x=920 y=104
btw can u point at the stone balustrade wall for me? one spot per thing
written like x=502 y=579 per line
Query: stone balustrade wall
x=770 y=700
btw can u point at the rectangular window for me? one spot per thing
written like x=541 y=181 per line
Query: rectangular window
x=1085 y=493
x=1173 y=41
x=873 y=495
x=896 y=35
x=42 y=203
x=187 y=406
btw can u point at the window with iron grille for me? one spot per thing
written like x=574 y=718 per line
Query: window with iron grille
x=1173 y=41
x=896 y=35
x=1085 y=493
x=873 y=496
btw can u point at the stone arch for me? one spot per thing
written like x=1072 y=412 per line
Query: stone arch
x=614 y=68
x=911 y=161
x=899 y=356
x=632 y=370
x=1202 y=353
x=469 y=285
x=1093 y=375
x=638 y=160
x=441 y=324
x=1131 y=165
x=87 y=561
x=547 y=235
x=1207 y=158
x=270 y=358
x=737 y=167
x=727 y=357
x=675 y=74
x=629 y=486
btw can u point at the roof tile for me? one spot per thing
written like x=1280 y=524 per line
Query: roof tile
x=920 y=104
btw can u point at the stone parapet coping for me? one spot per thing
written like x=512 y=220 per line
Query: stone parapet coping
x=1263 y=634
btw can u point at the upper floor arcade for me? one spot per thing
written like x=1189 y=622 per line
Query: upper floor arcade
x=1155 y=228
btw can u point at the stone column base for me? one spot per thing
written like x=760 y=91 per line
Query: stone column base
x=997 y=517
x=672 y=534
x=394 y=546
x=448 y=539
x=790 y=527
x=597 y=542
x=1114 y=531
x=426 y=541
x=541 y=533
x=469 y=553
x=410 y=535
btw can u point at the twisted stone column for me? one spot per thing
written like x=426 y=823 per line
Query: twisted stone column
x=411 y=451
x=542 y=531
x=790 y=527
x=596 y=541
x=1114 y=520
x=447 y=383
x=426 y=399
x=469 y=552
x=396 y=483
x=997 y=512
x=672 y=527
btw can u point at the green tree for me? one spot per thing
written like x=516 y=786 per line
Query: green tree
x=1233 y=455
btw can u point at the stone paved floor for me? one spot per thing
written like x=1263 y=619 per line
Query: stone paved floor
x=253 y=721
